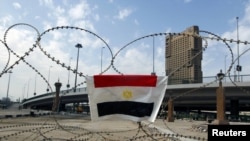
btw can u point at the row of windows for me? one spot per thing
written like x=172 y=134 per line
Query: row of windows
x=181 y=49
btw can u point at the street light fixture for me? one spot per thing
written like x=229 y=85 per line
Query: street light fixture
x=7 y=97
x=78 y=46
x=220 y=75
x=101 y=57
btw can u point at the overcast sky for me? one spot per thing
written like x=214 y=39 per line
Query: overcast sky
x=109 y=25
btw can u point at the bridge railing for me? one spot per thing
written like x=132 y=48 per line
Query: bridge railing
x=207 y=79
x=238 y=78
x=63 y=92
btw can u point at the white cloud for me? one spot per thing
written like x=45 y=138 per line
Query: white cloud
x=62 y=21
x=132 y=61
x=111 y=1
x=37 y=17
x=168 y=30
x=96 y=17
x=124 y=13
x=136 y=22
x=79 y=11
x=187 y=1
x=59 y=10
x=6 y=20
x=48 y=3
x=17 y=5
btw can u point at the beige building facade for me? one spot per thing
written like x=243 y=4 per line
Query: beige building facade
x=180 y=52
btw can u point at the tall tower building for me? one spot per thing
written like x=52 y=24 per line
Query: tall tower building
x=179 y=51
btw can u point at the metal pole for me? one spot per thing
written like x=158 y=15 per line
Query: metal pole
x=101 y=57
x=225 y=65
x=28 y=88
x=24 y=89
x=48 y=79
x=35 y=86
x=8 y=89
x=153 y=54
x=77 y=46
x=69 y=72
x=153 y=73
x=238 y=49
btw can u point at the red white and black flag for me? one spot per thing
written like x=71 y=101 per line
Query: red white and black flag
x=132 y=97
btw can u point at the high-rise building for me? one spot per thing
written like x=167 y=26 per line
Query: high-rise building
x=180 y=50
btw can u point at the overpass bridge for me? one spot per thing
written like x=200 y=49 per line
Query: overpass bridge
x=186 y=97
x=45 y=101
x=201 y=97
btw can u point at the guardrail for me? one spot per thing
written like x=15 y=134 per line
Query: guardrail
x=207 y=79
x=63 y=92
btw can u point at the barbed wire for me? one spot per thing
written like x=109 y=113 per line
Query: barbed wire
x=72 y=28
x=48 y=130
x=8 y=60
x=22 y=58
x=233 y=82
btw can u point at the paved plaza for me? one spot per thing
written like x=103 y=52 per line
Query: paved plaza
x=26 y=124
x=32 y=125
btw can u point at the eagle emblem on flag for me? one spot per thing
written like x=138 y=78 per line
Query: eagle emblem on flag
x=127 y=94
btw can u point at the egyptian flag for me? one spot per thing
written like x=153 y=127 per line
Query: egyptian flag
x=132 y=97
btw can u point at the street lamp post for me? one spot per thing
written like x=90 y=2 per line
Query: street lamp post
x=238 y=67
x=101 y=57
x=7 y=97
x=35 y=86
x=68 y=85
x=56 y=100
x=28 y=88
x=24 y=89
x=78 y=46
x=48 y=78
x=220 y=101
x=153 y=73
x=225 y=66
x=220 y=76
